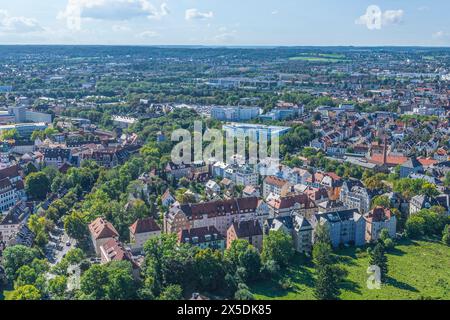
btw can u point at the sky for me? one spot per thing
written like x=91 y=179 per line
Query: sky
x=226 y=22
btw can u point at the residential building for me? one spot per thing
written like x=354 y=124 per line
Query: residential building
x=101 y=232
x=276 y=186
x=220 y=214
x=249 y=230
x=378 y=219
x=287 y=205
x=235 y=114
x=355 y=195
x=344 y=226
x=203 y=237
x=141 y=231
x=409 y=167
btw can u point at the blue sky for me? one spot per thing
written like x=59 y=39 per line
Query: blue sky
x=226 y=22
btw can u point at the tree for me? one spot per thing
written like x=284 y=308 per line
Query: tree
x=446 y=235
x=327 y=283
x=447 y=179
x=243 y=293
x=94 y=281
x=15 y=257
x=173 y=292
x=9 y=135
x=120 y=284
x=430 y=189
x=375 y=182
x=40 y=226
x=112 y=281
x=322 y=234
x=27 y=292
x=323 y=254
x=242 y=254
x=57 y=287
x=278 y=246
x=381 y=201
x=414 y=226
x=76 y=227
x=328 y=273
x=37 y=185
x=386 y=239
x=209 y=265
x=378 y=258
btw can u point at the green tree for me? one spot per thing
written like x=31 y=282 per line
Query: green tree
x=446 y=235
x=27 y=292
x=76 y=227
x=57 y=287
x=243 y=293
x=12 y=134
x=93 y=282
x=327 y=283
x=37 y=185
x=378 y=258
x=278 y=246
x=381 y=201
x=328 y=274
x=172 y=292
x=209 y=265
x=15 y=257
x=322 y=234
x=414 y=226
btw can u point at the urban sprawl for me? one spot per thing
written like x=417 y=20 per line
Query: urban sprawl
x=93 y=207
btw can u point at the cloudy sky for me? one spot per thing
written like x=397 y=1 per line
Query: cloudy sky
x=226 y=22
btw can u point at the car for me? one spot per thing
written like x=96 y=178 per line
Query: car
x=68 y=243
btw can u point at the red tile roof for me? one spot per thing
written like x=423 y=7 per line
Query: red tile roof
x=272 y=180
x=144 y=226
x=391 y=160
x=101 y=229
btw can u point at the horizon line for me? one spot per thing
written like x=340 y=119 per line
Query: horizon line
x=224 y=46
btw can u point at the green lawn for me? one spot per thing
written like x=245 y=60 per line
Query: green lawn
x=416 y=269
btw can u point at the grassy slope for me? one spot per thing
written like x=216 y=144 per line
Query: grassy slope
x=416 y=269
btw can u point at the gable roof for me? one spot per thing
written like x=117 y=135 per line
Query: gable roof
x=114 y=251
x=201 y=234
x=290 y=201
x=379 y=214
x=272 y=180
x=220 y=207
x=144 y=226
x=9 y=172
x=245 y=229
x=101 y=229
x=412 y=163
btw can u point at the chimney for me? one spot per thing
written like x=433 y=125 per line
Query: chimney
x=385 y=151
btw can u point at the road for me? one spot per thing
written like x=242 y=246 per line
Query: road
x=61 y=243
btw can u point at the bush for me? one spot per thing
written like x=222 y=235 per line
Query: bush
x=286 y=284
x=389 y=244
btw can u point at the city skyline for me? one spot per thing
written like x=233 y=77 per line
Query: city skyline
x=216 y=23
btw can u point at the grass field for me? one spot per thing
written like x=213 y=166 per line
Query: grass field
x=417 y=269
x=320 y=57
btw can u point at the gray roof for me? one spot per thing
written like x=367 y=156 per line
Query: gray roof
x=412 y=163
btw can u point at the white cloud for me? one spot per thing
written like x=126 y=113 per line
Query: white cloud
x=148 y=34
x=113 y=10
x=375 y=18
x=225 y=36
x=392 y=17
x=9 y=24
x=274 y=12
x=441 y=36
x=195 y=14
